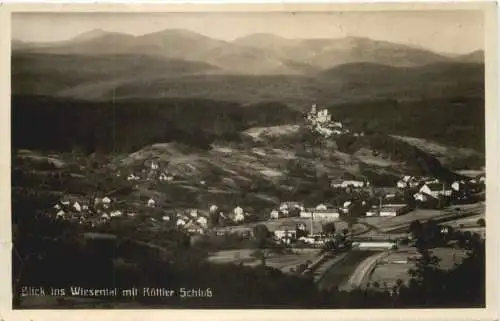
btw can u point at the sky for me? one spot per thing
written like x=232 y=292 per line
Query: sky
x=456 y=32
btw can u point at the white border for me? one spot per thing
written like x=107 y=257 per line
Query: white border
x=492 y=164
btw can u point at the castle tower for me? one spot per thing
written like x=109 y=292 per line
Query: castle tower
x=313 y=109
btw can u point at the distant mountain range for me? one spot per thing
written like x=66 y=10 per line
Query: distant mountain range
x=253 y=54
x=103 y=65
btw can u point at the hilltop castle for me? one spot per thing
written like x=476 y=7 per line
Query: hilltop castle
x=321 y=123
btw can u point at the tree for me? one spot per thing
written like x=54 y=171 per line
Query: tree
x=415 y=229
x=262 y=239
x=481 y=222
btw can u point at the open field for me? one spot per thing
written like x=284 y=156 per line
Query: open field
x=396 y=265
x=470 y=221
x=283 y=262
x=231 y=256
x=398 y=223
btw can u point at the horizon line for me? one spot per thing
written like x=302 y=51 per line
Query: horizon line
x=451 y=54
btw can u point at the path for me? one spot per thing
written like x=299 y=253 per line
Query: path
x=361 y=272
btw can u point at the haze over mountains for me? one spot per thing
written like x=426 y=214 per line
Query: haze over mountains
x=103 y=65
x=253 y=54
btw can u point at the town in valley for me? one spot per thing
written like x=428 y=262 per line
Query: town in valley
x=295 y=181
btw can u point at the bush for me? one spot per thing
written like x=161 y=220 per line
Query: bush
x=481 y=222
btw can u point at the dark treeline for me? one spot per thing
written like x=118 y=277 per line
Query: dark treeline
x=126 y=125
x=457 y=122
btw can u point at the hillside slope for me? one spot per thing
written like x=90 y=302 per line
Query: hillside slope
x=129 y=76
x=46 y=123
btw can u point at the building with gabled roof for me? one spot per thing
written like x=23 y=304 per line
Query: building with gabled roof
x=435 y=190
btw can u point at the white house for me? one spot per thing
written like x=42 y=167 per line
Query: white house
x=288 y=206
x=456 y=186
x=154 y=165
x=115 y=213
x=435 y=190
x=326 y=214
x=238 y=210
x=105 y=216
x=77 y=207
x=321 y=207
x=389 y=196
x=239 y=214
x=106 y=201
x=353 y=183
x=166 y=218
x=239 y=217
x=132 y=214
x=85 y=207
x=402 y=184
x=275 y=214
x=286 y=232
x=213 y=208
x=202 y=221
x=180 y=222
x=60 y=213
x=151 y=202
x=165 y=177
x=393 y=209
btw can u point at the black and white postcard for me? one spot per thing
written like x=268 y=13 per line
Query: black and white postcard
x=319 y=157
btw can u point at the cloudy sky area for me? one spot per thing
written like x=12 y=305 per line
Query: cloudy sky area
x=441 y=31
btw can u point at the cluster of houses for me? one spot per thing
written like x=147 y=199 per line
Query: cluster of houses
x=100 y=211
x=152 y=171
x=429 y=189
x=105 y=209
x=326 y=212
x=349 y=184
x=198 y=222
x=289 y=233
